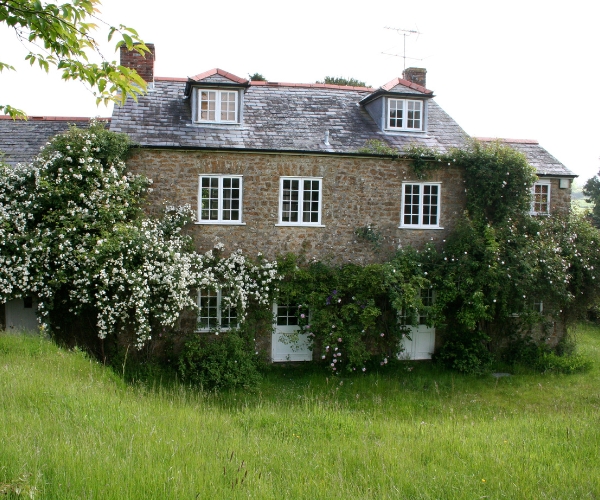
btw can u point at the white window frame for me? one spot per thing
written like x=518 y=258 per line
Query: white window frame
x=405 y=104
x=428 y=298
x=548 y=195
x=221 y=200
x=218 y=105
x=301 y=213
x=205 y=294
x=421 y=198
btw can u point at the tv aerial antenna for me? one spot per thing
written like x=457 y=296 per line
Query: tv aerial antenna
x=404 y=33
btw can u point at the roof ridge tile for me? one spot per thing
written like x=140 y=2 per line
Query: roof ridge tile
x=218 y=71
x=406 y=83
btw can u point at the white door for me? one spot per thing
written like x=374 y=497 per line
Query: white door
x=21 y=314
x=422 y=337
x=421 y=343
x=283 y=346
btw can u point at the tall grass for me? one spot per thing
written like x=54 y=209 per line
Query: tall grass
x=71 y=428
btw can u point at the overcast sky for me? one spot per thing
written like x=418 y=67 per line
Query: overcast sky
x=516 y=69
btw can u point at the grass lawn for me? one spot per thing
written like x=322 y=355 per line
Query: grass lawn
x=72 y=429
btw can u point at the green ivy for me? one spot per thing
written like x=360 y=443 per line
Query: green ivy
x=423 y=159
x=351 y=312
x=498 y=180
x=489 y=277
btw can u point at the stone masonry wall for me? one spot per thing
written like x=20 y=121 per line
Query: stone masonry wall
x=560 y=199
x=355 y=192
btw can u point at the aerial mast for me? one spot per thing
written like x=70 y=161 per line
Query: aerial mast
x=404 y=34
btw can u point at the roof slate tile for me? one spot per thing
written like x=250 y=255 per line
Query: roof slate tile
x=276 y=116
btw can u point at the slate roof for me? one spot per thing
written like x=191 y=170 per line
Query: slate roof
x=276 y=116
x=537 y=156
x=21 y=140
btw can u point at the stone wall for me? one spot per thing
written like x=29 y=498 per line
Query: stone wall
x=356 y=191
x=560 y=198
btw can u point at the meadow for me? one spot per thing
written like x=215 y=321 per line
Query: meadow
x=71 y=428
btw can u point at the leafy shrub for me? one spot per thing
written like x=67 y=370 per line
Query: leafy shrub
x=563 y=359
x=567 y=346
x=552 y=362
x=224 y=361
x=466 y=352
x=523 y=351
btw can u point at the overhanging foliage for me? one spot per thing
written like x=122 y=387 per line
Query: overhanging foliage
x=60 y=35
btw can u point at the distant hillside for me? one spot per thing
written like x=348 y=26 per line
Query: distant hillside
x=577 y=197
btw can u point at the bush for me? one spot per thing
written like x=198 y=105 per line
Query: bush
x=465 y=350
x=225 y=361
x=552 y=362
x=563 y=359
x=523 y=351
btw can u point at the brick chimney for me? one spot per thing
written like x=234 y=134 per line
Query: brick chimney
x=143 y=65
x=416 y=75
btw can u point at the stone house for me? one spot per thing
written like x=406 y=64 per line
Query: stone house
x=275 y=167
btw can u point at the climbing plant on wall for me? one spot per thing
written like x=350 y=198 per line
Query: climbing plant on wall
x=73 y=234
x=500 y=267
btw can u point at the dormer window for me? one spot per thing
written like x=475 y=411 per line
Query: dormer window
x=217 y=106
x=405 y=114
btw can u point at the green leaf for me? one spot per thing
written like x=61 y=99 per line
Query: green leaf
x=66 y=31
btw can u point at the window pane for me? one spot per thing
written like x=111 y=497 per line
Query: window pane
x=208 y=105
x=228 y=316
x=427 y=301
x=411 y=204
x=310 y=206
x=287 y=315
x=541 y=198
x=413 y=115
x=430 y=204
x=208 y=309
x=231 y=198
x=228 y=106
x=290 y=205
x=395 y=109
x=209 y=198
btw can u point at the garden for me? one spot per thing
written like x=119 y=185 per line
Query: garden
x=71 y=427
x=114 y=399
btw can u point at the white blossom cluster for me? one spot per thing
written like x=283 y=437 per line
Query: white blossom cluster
x=73 y=235
x=242 y=282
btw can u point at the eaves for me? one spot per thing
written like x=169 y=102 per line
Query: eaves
x=289 y=152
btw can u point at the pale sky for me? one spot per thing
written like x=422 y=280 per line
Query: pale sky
x=522 y=69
